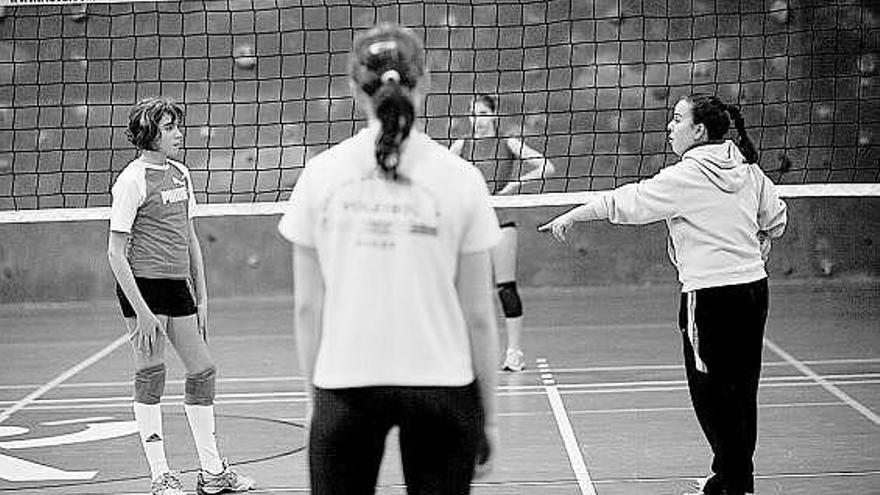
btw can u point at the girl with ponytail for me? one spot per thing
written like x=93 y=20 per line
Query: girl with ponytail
x=394 y=317
x=721 y=212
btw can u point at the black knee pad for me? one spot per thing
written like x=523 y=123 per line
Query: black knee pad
x=511 y=304
x=149 y=383
x=199 y=388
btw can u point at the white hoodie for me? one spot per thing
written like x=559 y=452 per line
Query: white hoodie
x=715 y=205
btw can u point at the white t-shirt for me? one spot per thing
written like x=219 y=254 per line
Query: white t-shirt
x=388 y=253
x=154 y=203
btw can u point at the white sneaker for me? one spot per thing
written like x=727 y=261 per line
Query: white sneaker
x=706 y=486
x=167 y=484
x=226 y=482
x=514 y=361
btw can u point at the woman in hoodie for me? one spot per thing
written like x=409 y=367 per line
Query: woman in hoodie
x=721 y=212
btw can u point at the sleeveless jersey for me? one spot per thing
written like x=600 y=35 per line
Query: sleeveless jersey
x=493 y=158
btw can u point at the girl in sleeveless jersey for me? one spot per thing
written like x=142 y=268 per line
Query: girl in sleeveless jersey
x=721 y=211
x=506 y=162
x=157 y=261
x=392 y=290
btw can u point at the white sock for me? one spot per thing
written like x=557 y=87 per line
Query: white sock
x=149 y=422
x=514 y=328
x=201 y=423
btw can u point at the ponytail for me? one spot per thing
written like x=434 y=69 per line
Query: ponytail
x=709 y=110
x=386 y=63
x=745 y=144
x=395 y=110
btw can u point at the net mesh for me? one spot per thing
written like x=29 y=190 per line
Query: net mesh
x=588 y=84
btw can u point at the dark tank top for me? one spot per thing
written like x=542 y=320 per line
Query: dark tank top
x=493 y=158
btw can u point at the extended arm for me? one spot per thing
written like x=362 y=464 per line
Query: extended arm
x=648 y=201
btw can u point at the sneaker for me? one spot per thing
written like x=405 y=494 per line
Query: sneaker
x=167 y=484
x=712 y=485
x=514 y=361
x=698 y=486
x=226 y=482
x=724 y=491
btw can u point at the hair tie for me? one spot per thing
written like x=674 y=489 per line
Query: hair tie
x=382 y=46
x=390 y=75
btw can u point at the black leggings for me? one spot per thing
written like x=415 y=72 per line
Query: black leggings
x=723 y=375
x=441 y=433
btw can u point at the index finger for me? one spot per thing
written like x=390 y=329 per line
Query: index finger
x=545 y=227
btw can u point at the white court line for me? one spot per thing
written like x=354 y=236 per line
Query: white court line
x=642 y=383
x=572 y=447
x=96 y=403
x=265 y=379
x=645 y=410
x=662 y=385
x=75 y=421
x=570 y=389
x=557 y=371
x=836 y=391
x=680 y=366
x=563 y=482
x=607 y=326
x=36 y=394
x=772 y=476
x=578 y=412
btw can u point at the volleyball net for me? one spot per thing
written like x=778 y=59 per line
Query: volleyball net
x=590 y=84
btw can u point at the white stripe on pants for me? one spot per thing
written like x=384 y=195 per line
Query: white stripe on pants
x=693 y=333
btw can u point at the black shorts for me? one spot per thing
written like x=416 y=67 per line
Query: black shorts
x=505 y=219
x=507 y=224
x=164 y=296
x=441 y=437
